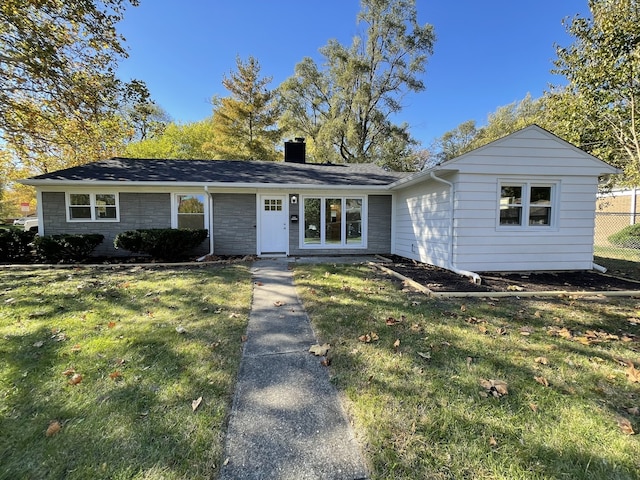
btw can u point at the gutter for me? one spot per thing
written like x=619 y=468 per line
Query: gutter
x=450 y=266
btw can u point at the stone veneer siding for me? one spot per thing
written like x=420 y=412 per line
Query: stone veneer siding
x=378 y=230
x=137 y=211
x=234 y=224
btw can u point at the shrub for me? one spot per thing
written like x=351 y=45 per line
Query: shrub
x=628 y=237
x=15 y=245
x=160 y=243
x=67 y=248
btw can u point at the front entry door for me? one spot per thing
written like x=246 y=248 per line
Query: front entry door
x=274 y=231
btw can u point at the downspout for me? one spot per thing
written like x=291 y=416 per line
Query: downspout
x=474 y=276
x=210 y=200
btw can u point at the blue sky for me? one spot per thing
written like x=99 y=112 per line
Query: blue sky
x=487 y=54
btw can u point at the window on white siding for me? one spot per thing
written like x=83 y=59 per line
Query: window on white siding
x=526 y=205
x=93 y=207
x=332 y=222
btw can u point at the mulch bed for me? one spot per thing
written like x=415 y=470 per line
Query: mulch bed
x=441 y=280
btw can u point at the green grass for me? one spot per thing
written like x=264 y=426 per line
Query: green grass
x=430 y=417
x=131 y=415
x=619 y=261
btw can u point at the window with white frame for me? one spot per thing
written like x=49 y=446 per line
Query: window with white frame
x=93 y=207
x=190 y=211
x=332 y=222
x=527 y=204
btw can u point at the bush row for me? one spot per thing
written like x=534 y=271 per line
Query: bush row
x=161 y=243
x=17 y=246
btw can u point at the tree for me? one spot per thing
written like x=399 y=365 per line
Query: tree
x=505 y=120
x=146 y=118
x=56 y=60
x=602 y=67
x=346 y=109
x=189 y=141
x=245 y=124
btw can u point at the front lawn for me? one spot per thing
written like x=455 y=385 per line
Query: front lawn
x=481 y=389
x=100 y=369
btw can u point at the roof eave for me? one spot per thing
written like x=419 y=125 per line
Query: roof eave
x=209 y=185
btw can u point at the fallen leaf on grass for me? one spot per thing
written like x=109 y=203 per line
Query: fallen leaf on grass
x=635 y=411
x=625 y=426
x=115 y=375
x=68 y=372
x=501 y=330
x=111 y=324
x=493 y=442
x=38 y=344
x=495 y=388
x=76 y=348
x=394 y=321
x=396 y=344
x=469 y=361
x=542 y=381
x=369 y=337
x=53 y=429
x=319 y=350
x=542 y=360
x=533 y=407
x=632 y=373
x=425 y=356
x=181 y=329
x=75 y=379
x=526 y=331
x=196 y=403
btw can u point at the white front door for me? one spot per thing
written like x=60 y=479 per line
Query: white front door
x=274 y=227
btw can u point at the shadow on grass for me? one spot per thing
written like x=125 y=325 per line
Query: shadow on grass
x=428 y=417
x=131 y=414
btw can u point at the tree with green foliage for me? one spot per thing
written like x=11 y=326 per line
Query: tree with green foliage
x=193 y=140
x=245 y=123
x=602 y=67
x=146 y=118
x=346 y=108
x=505 y=120
x=57 y=61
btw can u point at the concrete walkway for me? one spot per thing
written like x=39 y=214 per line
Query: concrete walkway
x=286 y=421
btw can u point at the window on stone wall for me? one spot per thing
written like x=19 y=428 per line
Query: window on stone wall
x=190 y=211
x=332 y=222
x=92 y=207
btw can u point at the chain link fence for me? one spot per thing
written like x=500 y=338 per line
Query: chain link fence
x=613 y=237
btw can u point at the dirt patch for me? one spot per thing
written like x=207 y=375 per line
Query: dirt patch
x=441 y=280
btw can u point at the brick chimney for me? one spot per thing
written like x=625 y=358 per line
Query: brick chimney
x=295 y=151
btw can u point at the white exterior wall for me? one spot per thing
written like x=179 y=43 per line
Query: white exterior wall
x=422 y=222
x=481 y=244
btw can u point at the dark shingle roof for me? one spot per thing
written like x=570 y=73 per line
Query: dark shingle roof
x=224 y=171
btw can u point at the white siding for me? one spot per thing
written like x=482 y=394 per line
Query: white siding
x=479 y=243
x=422 y=221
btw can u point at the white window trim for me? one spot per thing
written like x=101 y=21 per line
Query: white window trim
x=92 y=206
x=174 y=208
x=343 y=245
x=526 y=204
